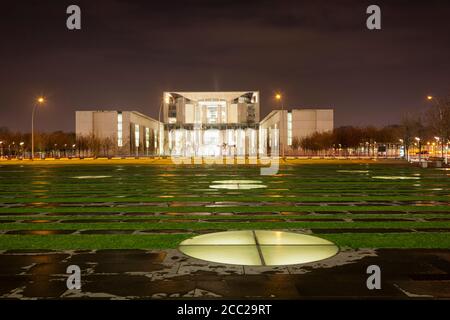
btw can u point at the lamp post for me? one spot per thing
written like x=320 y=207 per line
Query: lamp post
x=22 y=149
x=420 y=148
x=40 y=101
x=1 y=149
x=438 y=102
x=159 y=127
x=404 y=151
x=279 y=98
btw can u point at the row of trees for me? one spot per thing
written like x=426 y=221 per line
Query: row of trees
x=415 y=130
x=62 y=144
x=17 y=144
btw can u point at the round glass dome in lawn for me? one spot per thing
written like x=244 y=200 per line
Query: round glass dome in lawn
x=237 y=184
x=258 y=248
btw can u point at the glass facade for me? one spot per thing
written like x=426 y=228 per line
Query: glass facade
x=213 y=142
x=211 y=123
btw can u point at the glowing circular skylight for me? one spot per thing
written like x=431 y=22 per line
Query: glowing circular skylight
x=237 y=181
x=258 y=248
x=91 y=177
x=237 y=184
x=396 y=178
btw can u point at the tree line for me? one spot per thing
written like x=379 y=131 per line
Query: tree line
x=55 y=144
x=415 y=131
x=431 y=127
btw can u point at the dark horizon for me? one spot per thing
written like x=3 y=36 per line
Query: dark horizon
x=128 y=52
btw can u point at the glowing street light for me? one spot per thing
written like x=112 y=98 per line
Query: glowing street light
x=39 y=102
x=420 y=148
x=429 y=98
x=22 y=149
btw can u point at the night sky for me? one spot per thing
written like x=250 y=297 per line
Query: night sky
x=318 y=53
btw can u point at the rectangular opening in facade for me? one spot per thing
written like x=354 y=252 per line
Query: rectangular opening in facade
x=119 y=129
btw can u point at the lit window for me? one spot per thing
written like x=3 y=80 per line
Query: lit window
x=147 y=138
x=136 y=135
x=289 y=128
x=119 y=129
x=211 y=114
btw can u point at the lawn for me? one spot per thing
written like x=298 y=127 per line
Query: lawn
x=355 y=205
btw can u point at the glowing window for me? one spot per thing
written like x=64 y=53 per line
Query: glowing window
x=119 y=129
x=147 y=138
x=212 y=114
x=289 y=128
x=136 y=135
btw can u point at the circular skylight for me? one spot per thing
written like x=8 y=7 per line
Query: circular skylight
x=237 y=184
x=91 y=177
x=258 y=248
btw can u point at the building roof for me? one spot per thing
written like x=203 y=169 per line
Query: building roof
x=227 y=95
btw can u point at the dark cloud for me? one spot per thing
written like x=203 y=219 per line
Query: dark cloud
x=319 y=53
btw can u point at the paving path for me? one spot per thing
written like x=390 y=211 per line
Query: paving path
x=142 y=274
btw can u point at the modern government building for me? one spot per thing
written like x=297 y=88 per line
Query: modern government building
x=204 y=124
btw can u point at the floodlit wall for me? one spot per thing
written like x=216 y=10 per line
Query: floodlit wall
x=305 y=122
x=299 y=124
x=121 y=132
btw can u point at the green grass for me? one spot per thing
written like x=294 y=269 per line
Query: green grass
x=220 y=225
x=322 y=216
x=391 y=240
x=92 y=242
x=47 y=189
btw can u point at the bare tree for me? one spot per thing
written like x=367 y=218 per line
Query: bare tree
x=94 y=145
x=107 y=144
x=295 y=144
x=411 y=127
x=438 y=119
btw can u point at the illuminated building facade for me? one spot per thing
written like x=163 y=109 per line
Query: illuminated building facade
x=125 y=132
x=210 y=123
x=204 y=124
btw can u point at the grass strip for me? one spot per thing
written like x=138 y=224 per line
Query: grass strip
x=220 y=225
x=92 y=242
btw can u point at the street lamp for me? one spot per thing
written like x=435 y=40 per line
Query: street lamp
x=279 y=98
x=420 y=147
x=438 y=102
x=21 y=144
x=404 y=151
x=39 y=102
x=165 y=99
x=437 y=145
